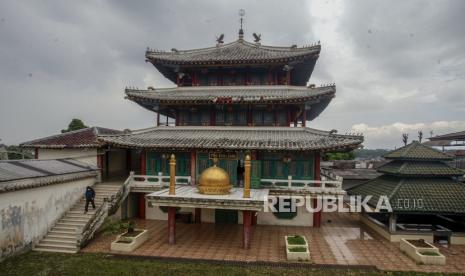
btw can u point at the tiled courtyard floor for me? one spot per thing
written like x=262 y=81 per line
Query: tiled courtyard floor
x=340 y=240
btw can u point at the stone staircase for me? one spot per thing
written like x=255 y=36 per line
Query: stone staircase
x=63 y=236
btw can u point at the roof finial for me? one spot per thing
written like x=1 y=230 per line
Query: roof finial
x=241 y=31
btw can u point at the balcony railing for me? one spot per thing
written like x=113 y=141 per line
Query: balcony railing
x=158 y=181
x=316 y=186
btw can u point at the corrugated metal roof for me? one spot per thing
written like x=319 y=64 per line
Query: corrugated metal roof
x=11 y=170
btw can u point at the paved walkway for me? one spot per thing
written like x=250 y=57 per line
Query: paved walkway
x=340 y=240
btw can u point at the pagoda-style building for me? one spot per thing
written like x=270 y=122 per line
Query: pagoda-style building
x=425 y=194
x=232 y=102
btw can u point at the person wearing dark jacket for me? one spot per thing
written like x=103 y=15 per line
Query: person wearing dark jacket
x=90 y=195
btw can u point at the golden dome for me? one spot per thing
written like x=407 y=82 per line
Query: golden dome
x=214 y=181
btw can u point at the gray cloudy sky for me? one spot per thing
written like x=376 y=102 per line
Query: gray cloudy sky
x=399 y=66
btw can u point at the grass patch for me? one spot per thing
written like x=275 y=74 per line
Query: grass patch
x=41 y=263
x=298 y=249
x=296 y=240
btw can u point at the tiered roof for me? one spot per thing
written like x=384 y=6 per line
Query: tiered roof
x=236 y=54
x=318 y=97
x=234 y=138
x=417 y=180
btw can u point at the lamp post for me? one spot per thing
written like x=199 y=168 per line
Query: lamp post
x=172 y=175
x=247 y=176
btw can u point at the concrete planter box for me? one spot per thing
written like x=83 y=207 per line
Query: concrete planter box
x=420 y=254
x=297 y=256
x=129 y=244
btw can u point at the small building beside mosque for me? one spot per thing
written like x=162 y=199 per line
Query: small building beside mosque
x=424 y=191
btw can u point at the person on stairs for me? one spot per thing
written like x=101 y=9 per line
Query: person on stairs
x=90 y=195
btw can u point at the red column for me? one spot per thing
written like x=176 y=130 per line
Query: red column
x=36 y=153
x=141 y=205
x=317 y=215
x=193 y=166
x=128 y=161
x=247 y=226
x=198 y=215
x=143 y=163
x=158 y=117
x=304 y=117
x=171 y=225
x=254 y=218
x=100 y=164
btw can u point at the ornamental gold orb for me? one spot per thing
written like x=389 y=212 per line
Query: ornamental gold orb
x=214 y=181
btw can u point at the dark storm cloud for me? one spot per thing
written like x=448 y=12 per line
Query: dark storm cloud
x=393 y=61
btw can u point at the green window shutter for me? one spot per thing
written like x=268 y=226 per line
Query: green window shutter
x=255 y=174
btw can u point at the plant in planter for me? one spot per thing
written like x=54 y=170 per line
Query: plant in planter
x=131 y=239
x=297 y=248
x=422 y=252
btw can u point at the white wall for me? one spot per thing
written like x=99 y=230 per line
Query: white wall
x=303 y=218
x=26 y=215
x=81 y=154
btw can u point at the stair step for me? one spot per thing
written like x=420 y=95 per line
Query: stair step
x=65 y=229
x=70 y=224
x=77 y=216
x=62 y=246
x=61 y=250
x=69 y=237
x=61 y=232
x=49 y=240
x=67 y=219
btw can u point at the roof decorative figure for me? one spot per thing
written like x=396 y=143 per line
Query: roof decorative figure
x=241 y=31
x=419 y=175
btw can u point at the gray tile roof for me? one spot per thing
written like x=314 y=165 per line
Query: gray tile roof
x=449 y=136
x=236 y=52
x=417 y=151
x=415 y=195
x=233 y=94
x=215 y=137
x=22 y=174
x=420 y=168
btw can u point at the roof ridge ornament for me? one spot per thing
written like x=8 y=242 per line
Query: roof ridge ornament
x=241 y=31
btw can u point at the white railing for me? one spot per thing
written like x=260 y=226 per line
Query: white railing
x=322 y=185
x=159 y=180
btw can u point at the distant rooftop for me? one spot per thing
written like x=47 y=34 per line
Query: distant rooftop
x=82 y=138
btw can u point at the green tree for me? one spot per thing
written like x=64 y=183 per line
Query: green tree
x=339 y=156
x=75 y=124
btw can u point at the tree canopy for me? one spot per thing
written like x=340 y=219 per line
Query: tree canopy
x=75 y=124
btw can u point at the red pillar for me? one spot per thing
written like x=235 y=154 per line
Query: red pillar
x=193 y=167
x=197 y=215
x=247 y=227
x=254 y=218
x=36 y=153
x=100 y=163
x=304 y=117
x=171 y=225
x=141 y=205
x=143 y=163
x=317 y=215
